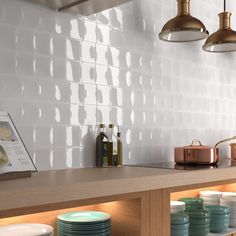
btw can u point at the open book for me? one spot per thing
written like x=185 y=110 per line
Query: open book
x=13 y=155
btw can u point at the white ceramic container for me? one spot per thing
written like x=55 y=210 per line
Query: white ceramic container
x=177 y=206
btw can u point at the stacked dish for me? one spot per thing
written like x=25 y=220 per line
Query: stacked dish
x=228 y=194
x=219 y=218
x=211 y=197
x=199 y=222
x=89 y=223
x=230 y=201
x=179 y=224
x=26 y=230
x=177 y=206
x=192 y=203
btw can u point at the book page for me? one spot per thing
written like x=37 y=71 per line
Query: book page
x=13 y=154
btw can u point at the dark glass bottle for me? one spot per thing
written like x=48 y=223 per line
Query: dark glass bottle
x=112 y=148
x=102 y=148
x=119 y=148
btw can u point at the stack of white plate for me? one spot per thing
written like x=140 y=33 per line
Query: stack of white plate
x=228 y=194
x=210 y=197
x=177 y=207
x=230 y=201
x=26 y=230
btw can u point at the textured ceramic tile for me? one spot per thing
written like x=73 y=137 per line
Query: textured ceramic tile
x=43 y=66
x=7 y=37
x=25 y=40
x=58 y=45
x=63 y=74
x=73 y=70
x=25 y=64
x=7 y=61
x=12 y=12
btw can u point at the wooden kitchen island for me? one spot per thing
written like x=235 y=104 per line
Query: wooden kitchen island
x=137 y=198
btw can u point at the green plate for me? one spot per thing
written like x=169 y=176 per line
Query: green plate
x=179 y=219
x=87 y=230
x=217 y=210
x=78 y=233
x=79 y=226
x=84 y=216
x=72 y=234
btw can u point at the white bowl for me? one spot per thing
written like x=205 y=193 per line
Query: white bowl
x=212 y=194
x=26 y=230
x=211 y=198
x=232 y=224
x=177 y=205
x=228 y=194
x=173 y=211
x=211 y=203
x=230 y=203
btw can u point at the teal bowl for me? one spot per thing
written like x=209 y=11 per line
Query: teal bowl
x=176 y=233
x=219 y=221
x=218 y=229
x=180 y=227
x=192 y=200
x=199 y=232
x=198 y=213
x=192 y=203
x=218 y=210
x=199 y=227
x=220 y=217
x=179 y=219
x=179 y=232
x=199 y=221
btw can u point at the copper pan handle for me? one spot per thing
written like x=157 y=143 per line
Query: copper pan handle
x=225 y=140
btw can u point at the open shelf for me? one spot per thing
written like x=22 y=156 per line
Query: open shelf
x=230 y=231
x=126 y=216
x=193 y=192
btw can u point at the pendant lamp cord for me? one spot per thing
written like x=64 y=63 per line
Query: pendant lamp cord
x=224 y=5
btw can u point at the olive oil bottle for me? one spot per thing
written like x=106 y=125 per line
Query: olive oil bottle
x=119 y=149
x=112 y=147
x=102 y=148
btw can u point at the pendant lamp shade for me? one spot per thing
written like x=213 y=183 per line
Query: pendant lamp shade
x=183 y=27
x=223 y=40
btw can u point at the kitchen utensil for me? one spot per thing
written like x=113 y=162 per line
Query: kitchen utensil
x=196 y=153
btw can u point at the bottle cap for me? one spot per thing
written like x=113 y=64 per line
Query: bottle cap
x=101 y=126
x=111 y=125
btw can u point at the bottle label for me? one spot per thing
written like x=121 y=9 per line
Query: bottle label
x=105 y=154
x=115 y=160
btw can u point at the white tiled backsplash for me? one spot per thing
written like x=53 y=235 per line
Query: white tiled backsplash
x=61 y=74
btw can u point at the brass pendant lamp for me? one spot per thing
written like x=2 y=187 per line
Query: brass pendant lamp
x=223 y=40
x=183 y=27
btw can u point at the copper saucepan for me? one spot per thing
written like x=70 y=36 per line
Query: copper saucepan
x=196 y=153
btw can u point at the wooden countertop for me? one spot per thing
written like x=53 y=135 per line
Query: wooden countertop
x=50 y=187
